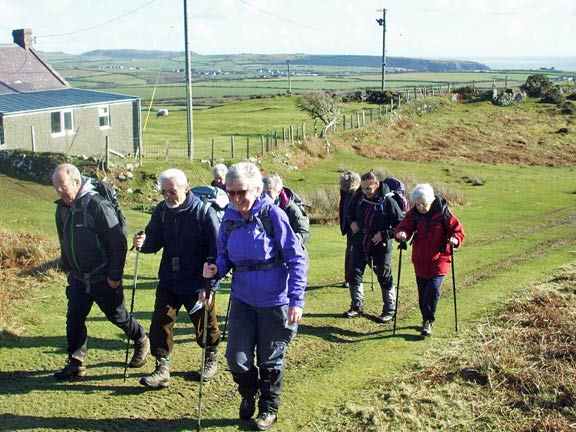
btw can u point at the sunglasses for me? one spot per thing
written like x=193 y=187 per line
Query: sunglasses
x=240 y=193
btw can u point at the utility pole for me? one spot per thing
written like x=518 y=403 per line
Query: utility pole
x=189 y=115
x=382 y=23
x=289 y=79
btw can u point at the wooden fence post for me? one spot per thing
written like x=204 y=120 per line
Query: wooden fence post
x=284 y=136
x=357 y=119
x=107 y=156
x=344 y=122
x=247 y=147
x=303 y=131
x=275 y=139
x=262 y=144
x=371 y=118
x=291 y=135
x=232 y=146
x=212 y=153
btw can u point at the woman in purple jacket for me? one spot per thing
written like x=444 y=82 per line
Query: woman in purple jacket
x=267 y=295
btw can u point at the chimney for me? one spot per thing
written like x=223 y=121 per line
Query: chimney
x=23 y=37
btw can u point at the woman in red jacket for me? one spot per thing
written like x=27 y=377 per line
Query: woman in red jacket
x=434 y=230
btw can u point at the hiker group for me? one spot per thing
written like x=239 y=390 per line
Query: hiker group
x=256 y=228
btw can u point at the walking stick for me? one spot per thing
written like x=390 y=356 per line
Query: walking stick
x=226 y=319
x=402 y=246
x=372 y=275
x=134 y=283
x=208 y=292
x=454 y=286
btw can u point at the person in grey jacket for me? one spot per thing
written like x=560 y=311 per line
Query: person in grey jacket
x=185 y=229
x=285 y=198
x=267 y=292
x=93 y=252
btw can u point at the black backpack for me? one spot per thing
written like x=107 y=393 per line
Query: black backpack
x=107 y=191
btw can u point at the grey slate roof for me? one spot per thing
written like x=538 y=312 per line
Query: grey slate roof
x=22 y=70
x=13 y=103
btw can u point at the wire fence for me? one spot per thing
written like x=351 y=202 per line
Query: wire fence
x=252 y=146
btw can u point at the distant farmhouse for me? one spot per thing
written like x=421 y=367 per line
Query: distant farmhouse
x=39 y=111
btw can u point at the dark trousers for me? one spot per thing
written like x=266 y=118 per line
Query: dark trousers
x=429 y=296
x=381 y=255
x=111 y=303
x=166 y=308
x=348 y=255
x=257 y=342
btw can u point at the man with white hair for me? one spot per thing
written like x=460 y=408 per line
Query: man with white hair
x=185 y=229
x=93 y=253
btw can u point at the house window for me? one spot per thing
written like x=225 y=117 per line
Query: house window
x=104 y=116
x=62 y=122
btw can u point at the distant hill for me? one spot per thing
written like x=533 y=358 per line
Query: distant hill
x=399 y=63
x=415 y=64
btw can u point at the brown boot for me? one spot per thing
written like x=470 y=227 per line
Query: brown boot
x=210 y=365
x=141 y=351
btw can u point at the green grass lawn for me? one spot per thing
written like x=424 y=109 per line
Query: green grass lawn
x=519 y=225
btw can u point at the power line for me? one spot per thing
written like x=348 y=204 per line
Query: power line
x=281 y=17
x=98 y=25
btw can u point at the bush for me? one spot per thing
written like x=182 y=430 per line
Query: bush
x=537 y=85
x=554 y=96
x=569 y=108
x=380 y=97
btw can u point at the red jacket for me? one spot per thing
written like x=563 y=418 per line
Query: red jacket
x=430 y=233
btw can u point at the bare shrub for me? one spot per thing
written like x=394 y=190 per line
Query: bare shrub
x=26 y=260
x=323 y=205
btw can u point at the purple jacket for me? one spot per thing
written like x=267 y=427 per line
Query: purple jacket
x=248 y=245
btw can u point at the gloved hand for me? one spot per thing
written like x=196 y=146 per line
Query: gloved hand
x=454 y=241
x=401 y=236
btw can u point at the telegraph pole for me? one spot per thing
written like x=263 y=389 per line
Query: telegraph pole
x=382 y=23
x=189 y=115
x=289 y=79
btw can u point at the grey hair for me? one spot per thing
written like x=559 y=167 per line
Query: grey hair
x=173 y=173
x=248 y=172
x=219 y=170
x=273 y=181
x=72 y=171
x=422 y=191
x=349 y=181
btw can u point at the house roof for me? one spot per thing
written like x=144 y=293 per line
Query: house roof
x=22 y=70
x=13 y=103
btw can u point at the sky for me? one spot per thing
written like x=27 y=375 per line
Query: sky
x=436 y=29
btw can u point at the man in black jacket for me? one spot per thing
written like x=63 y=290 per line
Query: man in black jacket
x=186 y=229
x=373 y=218
x=93 y=252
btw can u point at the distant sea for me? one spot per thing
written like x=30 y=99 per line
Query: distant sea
x=528 y=63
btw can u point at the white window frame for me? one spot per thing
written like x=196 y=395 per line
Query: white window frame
x=104 y=113
x=64 y=130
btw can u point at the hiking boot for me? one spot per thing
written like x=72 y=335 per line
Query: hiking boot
x=426 y=328
x=141 y=351
x=160 y=378
x=247 y=408
x=265 y=420
x=73 y=369
x=386 y=317
x=353 y=312
x=210 y=365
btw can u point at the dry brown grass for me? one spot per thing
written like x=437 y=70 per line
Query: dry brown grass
x=26 y=260
x=516 y=372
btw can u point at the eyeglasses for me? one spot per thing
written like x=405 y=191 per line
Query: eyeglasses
x=240 y=193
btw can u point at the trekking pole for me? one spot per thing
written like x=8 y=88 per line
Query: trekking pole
x=454 y=286
x=208 y=292
x=402 y=246
x=226 y=319
x=372 y=274
x=134 y=283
